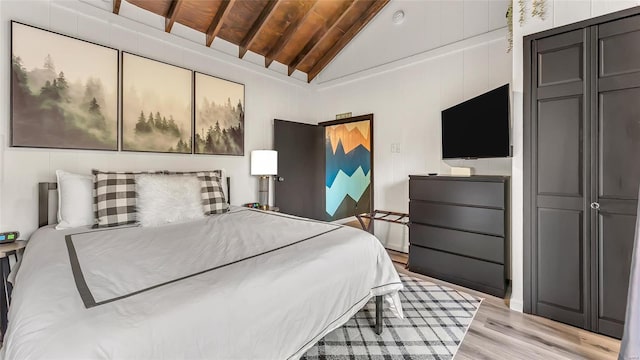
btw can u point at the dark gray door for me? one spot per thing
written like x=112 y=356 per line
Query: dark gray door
x=617 y=155
x=561 y=253
x=299 y=189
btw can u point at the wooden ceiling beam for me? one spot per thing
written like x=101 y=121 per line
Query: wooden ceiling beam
x=310 y=46
x=116 y=6
x=218 y=19
x=371 y=12
x=288 y=34
x=257 y=26
x=172 y=14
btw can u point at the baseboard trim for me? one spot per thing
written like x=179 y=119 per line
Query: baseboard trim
x=516 y=305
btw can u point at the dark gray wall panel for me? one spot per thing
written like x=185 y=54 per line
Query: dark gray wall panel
x=480 y=220
x=560 y=146
x=560 y=259
x=477 y=193
x=620 y=143
x=485 y=247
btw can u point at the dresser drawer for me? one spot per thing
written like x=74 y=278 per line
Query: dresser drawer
x=475 y=274
x=484 y=247
x=481 y=220
x=476 y=193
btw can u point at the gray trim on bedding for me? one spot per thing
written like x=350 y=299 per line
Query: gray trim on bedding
x=89 y=300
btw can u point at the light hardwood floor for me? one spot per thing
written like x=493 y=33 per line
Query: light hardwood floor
x=500 y=333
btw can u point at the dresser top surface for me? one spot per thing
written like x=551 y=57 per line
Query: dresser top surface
x=488 y=178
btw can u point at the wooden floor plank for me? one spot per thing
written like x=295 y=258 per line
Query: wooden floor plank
x=498 y=332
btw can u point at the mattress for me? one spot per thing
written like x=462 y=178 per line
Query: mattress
x=247 y=284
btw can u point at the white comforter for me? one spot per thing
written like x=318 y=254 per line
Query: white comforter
x=242 y=285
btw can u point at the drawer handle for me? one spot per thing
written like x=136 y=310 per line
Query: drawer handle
x=595 y=206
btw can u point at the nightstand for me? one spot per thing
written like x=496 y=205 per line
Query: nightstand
x=6 y=250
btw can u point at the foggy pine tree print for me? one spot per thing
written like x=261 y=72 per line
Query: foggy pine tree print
x=59 y=99
x=156 y=106
x=219 y=116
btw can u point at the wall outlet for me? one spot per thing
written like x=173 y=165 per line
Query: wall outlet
x=395 y=148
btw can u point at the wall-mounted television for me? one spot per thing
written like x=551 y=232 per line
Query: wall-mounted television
x=478 y=128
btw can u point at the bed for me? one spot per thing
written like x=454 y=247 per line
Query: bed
x=247 y=284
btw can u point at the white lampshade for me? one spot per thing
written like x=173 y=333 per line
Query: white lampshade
x=264 y=162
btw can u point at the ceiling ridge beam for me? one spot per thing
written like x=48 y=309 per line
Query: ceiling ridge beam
x=371 y=12
x=288 y=34
x=309 y=47
x=218 y=19
x=257 y=26
x=172 y=14
x=116 y=6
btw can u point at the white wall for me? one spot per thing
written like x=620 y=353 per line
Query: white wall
x=406 y=98
x=267 y=96
x=558 y=13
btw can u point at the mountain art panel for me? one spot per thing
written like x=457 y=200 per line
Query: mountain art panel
x=59 y=99
x=348 y=169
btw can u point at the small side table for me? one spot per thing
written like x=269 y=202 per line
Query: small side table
x=6 y=250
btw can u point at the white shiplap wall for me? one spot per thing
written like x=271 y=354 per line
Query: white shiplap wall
x=406 y=98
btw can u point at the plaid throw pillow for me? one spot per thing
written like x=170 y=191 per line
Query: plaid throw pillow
x=114 y=197
x=213 y=200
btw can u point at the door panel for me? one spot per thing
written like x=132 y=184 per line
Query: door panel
x=560 y=121
x=552 y=68
x=560 y=159
x=301 y=166
x=615 y=259
x=560 y=276
x=620 y=144
x=618 y=174
x=614 y=37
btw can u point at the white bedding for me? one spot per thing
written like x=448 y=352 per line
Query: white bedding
x=242 y=285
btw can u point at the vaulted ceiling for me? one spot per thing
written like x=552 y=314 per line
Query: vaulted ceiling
x=305 y=35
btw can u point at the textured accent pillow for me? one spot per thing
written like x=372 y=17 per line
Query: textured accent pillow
x=213 y=196
x=114 y=197
x=75 y=200
x=166 y=199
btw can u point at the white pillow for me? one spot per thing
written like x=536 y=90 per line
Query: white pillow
x=165 y=199
x=75 y=200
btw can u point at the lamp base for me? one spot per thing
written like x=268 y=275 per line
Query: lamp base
x=263 y=190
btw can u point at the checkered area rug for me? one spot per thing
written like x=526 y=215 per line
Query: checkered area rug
x=436 y=318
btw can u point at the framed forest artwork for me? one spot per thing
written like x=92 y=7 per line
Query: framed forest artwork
x=156 y=106
x=64 y=91
x=349 y=167
x=219 y=116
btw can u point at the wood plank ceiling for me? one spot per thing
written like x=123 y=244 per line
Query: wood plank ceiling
x=305 y=35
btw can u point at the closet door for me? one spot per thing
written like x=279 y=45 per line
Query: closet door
x=561 y=181
x=617 y=155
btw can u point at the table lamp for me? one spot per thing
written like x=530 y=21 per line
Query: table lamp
x=264 y=163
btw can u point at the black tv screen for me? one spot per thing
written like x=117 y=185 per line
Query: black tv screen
x=477 y=128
